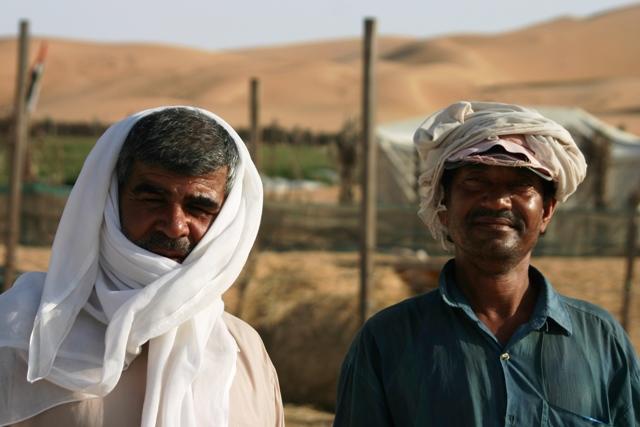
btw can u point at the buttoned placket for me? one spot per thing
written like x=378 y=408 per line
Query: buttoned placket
x=504 y=356
x=520 y=359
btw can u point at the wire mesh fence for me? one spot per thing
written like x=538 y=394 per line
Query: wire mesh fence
x=308 y=226
x=573 y=232
x=54 y=161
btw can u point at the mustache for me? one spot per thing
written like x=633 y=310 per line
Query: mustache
x=158 y=241
x=515 y=220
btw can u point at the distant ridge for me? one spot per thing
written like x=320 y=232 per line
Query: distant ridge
x=592 y=62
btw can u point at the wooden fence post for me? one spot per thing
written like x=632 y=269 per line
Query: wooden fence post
x=254 y=145
x=254 y=139
x=602 y=148
x=369 y=152
x=17 y=158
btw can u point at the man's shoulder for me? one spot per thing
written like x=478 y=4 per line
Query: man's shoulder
x=255 y=393
x=586 y=308
x=242 y=332
x=411 y=314
x=590 y=315
x=397 y=330
x=595 y=326
x=407 y=307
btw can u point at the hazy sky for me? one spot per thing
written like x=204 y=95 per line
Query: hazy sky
x=215 y=24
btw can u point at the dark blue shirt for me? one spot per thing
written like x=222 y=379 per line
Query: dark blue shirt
x=429 y=361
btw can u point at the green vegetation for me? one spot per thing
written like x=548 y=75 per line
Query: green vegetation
x=4 y=178
x=54 y=159
x=297 y=161
x=58 y=159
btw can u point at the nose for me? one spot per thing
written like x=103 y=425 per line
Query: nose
x=497 y=199
x=174 y=224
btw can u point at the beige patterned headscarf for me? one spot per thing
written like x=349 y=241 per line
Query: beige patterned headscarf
x=465 y=124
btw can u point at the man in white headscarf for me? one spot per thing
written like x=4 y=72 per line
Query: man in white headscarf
x=127 y=327
x=495 y=345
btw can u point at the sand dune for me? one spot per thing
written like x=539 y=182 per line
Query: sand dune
x=591 y=63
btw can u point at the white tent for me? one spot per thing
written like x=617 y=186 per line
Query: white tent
x=397 y=158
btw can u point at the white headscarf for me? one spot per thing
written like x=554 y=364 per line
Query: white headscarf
x=464 y=124
x=84 y=321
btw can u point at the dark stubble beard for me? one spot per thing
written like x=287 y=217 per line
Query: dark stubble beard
x=158 y=242
x=506 y=247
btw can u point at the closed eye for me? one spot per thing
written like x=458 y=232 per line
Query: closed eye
x=149 y=196
x=472 y=182
x=151 y=199
x=204 y=204
x=206 y=210
x=523 y=186
x=147 y=191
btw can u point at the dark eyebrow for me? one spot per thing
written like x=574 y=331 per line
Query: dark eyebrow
x=205 y=202
x=200 y=200
x=145 y=187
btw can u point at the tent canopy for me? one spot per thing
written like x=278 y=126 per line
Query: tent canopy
x=620 y=159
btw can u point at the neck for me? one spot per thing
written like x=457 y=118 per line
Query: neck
x=499 y=293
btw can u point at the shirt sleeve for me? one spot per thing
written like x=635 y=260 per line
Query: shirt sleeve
x=361 y=396
x=626 y=388
x=630 y=416
x=634 y=418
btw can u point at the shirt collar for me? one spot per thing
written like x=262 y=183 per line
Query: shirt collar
x=548 y=306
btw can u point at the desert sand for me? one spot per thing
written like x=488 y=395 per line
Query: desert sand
x=590 y=62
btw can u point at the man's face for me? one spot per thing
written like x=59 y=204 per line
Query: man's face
x=167 y=213
x=496 y=211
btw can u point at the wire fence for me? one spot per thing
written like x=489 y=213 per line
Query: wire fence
x=573 y=232
x=308 y=226
x=55 y=161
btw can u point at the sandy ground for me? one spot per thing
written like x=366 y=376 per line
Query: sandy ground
x=306 y=416
x=590 y=62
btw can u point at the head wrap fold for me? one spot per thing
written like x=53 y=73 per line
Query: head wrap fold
x=465 y=124
x=103 y=297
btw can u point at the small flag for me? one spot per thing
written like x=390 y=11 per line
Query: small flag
x=36 y=77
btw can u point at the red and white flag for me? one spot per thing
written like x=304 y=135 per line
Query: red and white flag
x=36 y=77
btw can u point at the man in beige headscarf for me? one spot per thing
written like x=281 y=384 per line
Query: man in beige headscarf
x=495 y=345
x=127 y=327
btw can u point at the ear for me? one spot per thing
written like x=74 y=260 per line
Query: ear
x=548 y=208
x=444 y=218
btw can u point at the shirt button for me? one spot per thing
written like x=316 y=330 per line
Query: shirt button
x=505 y=356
